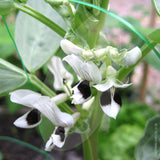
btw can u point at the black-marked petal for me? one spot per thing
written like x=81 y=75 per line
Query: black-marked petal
x=29 y=120
x=109 y=105
x=81 y=92
x=61 y=132
x=117 y=98
x=33 y=117
x=105 y=98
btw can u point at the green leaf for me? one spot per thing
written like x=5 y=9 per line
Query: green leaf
x=11 y=77
x=156 y=5
x=36 y=42
x=148 y=147
x=6 y=45
x=152 y=59
x=155 y=35
x=120 y=144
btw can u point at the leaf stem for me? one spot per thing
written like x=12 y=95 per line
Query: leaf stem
x=87 y=150
x=29 y=10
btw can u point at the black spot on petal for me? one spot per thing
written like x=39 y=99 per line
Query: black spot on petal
x=64 y=81
x=33 y=117
x=117 y=98
x=61 y=132
x=84 y=89
x=105 y=98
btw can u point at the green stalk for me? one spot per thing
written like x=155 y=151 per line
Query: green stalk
x=93 y=33
x=123 y=72
x=27 y=9
x=94 y=123
x=41 y=86
x=87 y=148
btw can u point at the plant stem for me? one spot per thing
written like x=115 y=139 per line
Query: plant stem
x=41 y=86
x=27 y=9
x=94 y=121
x=87 y=150
x=143 y=87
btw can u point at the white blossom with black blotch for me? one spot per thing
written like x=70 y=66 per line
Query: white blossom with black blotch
x=110 y=102
x=59 y=135
x=39 y=105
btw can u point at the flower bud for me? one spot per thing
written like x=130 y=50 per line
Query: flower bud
x=111 y=72
x=69 y=48
x=5 y=6
x=112 y=52
x=101 y=53
x=131 y=57
x=88 y=54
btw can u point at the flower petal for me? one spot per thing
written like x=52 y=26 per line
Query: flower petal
x=57 y=138
x=24 y=97
x=69 y=48
x=108 y=105
x=105 y=86
x=59 y=135
x=59 y=98
x=29 y=120
x=49 y=145
x=60 y=73
x=132 y=56
x=121 y=85
x=86 y=70
x=47 y=107
x=81 y=92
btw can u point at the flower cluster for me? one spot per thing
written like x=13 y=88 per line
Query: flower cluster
x=85 y=64
x=92 y=72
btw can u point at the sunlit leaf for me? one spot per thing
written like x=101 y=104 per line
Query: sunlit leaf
x=152 y=59
x=6 y=45
x=155 y=35
x=156 y=4
x=36 y=42
x=11 y=77
x=148 y=147
x=120 y=144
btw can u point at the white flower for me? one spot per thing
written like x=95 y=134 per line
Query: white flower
x=40 y=103
x=131 y=57
x=59 y=135
x=125 y=58
x=57 y=138
x=81 y=92
x=111 y=81
x=89 y=72
x=61 y=75
x=69 y=48
x=45 y=105
x=85 y=70
x=110 y=102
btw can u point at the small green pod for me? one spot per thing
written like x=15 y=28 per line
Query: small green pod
x=5 y=6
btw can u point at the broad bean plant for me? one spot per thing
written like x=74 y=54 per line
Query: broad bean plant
x=66 y=38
